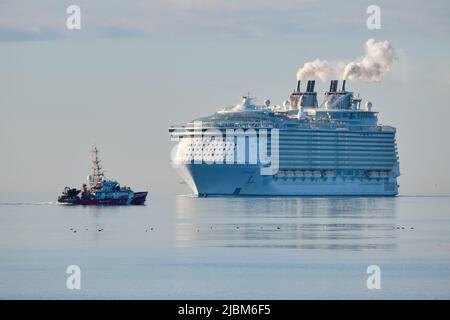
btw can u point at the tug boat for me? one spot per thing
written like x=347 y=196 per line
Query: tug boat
x=100 y=191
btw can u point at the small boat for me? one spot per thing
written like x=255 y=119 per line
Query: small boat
x=100 y=191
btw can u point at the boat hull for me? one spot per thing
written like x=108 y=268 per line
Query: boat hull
x=137 y=199
x=246 y=180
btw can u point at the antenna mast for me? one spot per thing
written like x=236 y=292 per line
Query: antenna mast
x=97 y=173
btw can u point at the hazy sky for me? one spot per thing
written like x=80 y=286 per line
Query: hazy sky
x=136 y=67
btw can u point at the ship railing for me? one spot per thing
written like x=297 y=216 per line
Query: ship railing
x=301 y=125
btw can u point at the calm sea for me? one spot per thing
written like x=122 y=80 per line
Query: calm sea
x=182 y=247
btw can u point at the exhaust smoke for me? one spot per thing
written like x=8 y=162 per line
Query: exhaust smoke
x=377 y=61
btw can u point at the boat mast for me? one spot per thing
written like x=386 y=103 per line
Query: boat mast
x=97 y=173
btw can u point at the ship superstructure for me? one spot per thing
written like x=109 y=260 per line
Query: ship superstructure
x=336 y=147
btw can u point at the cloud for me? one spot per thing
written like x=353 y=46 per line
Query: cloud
x=175 y=18
x=34 y=34
x=167 y=18
x=118 y=32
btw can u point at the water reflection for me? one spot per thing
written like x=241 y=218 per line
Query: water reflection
x=298 y=223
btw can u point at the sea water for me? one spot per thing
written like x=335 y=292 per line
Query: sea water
x=184 y=247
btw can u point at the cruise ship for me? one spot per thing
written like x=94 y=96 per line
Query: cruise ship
x=299 y=148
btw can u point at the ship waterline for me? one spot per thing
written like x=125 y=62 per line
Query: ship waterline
x=246 y=180
x=335 y=149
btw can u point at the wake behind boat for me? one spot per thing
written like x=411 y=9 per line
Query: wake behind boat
x=101 y=191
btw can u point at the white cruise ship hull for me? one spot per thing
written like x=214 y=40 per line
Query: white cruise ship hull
x=246 y=180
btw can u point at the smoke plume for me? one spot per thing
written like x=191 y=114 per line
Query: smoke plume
x=378 y=59
x=321 y=69
x=376 y=62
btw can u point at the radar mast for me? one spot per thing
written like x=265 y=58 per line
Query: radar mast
x=97 y=172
